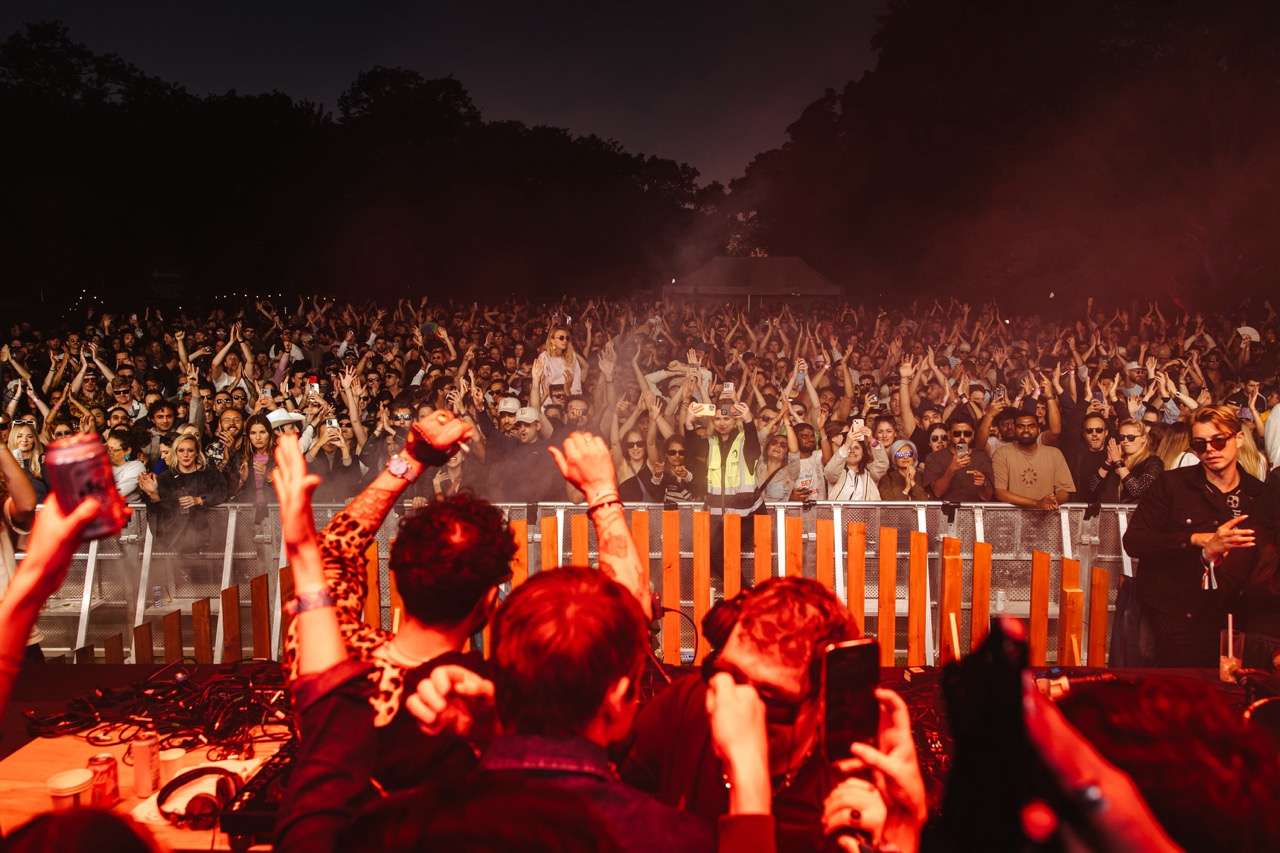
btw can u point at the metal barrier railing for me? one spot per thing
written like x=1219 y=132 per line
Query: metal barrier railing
x=147 y=573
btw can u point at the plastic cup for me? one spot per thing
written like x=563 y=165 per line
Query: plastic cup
x=70 y=788
x=1230 y=654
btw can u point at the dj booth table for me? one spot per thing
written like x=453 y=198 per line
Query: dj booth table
x=28 y=762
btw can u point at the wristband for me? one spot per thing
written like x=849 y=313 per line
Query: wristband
x=602 y=499
x=304 y=601
x=591 y=510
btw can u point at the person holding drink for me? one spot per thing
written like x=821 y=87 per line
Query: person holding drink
x=1204 y=546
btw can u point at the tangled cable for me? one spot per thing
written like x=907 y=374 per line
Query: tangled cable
x=226 y=713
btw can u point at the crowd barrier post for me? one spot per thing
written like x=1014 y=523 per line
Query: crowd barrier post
x=701 y=577
x=1039 y=616
x=86 y=595
x=855 y=573
x=887 y=604
x=1099 y=589
x=763 y=548
x=980 y=597
x=671 y=586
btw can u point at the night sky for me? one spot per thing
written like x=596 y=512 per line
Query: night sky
x=707 y=83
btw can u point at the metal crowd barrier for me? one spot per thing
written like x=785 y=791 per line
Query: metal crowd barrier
x=117 y=588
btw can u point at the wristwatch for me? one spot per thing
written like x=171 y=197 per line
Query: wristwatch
x=398 y=466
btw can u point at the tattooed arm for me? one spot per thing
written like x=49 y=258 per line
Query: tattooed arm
x=346 y=538
x=585 y=463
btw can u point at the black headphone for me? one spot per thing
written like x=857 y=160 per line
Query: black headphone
x=203 y=810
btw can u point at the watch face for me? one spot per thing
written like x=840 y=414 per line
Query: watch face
x=397 y=465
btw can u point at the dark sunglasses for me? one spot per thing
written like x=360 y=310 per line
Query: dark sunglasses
x=560 y=338
x=633 y=444
x=1095 y=430
x=1128 y=438
x=962 y=433
x=940 y=437
x=675 y=452
x=1218 y=442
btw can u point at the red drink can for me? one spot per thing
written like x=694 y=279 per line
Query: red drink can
x=106 y=780
x=78 y=467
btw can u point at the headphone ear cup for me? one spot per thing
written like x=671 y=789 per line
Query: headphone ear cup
x=203 y=809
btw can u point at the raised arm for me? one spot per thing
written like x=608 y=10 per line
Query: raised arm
x=585 y=464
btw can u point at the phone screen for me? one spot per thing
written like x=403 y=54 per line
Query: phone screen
x=850 y=711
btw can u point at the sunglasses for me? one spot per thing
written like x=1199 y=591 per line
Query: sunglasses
x=1095 y=430
x=62 y=433
x=24 y=422
x=934 y=439
x=962 y=433
x=630 y=444
x=675 y=453
x=1128 y=438
x=904 y=454
x=1218 y=442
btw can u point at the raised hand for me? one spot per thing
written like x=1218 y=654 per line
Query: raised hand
x=586 y=463
x=294 y=488
x=435 y=434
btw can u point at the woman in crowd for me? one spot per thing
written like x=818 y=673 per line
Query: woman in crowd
x=1129 y=468
x=558 y=363
x=126 y=467
x=25 y=445
x=249 y=471
x=901 y=483
x=848 y=473
x=1174 y=449
x=938 y=440
x=774 y=477
x=180 y=498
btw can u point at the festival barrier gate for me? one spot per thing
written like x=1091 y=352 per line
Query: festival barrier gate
x=930 y=574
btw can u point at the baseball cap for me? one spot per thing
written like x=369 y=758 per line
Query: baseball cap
x=1132 y=365
x=508 y=406
x=527 y=415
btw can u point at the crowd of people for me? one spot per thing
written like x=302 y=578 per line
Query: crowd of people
x=407 y=740
x=933 y=400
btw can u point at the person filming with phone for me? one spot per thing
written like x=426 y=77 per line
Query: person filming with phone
x=962 y=473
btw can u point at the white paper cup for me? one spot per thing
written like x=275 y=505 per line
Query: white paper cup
x=70 y=788
x=171 y=761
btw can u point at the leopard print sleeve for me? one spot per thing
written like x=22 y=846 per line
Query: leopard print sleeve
x=343 y=544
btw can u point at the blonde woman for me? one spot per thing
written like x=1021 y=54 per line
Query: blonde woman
x=1129 y=468
x=1252 y=460
x=1174 y=449
x=25 y=444
x=181 y=496
x=559 y=363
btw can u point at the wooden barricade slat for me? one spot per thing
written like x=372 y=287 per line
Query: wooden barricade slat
x=794 y=527
x=1038 y=639
x=113 y=649
x=949 y=624
x=260 y=614
x=232 y=649
x=285 y=578
x=980 y=597
x=85 y=654
x=763 y=569
x=824 y=567
x=201 y=631
x=701 y=575
x=1071 y=626
x=1069 y=579
x=1099 y=588
x=917 y=610
x=520 y=562
x=732 y=562
x=373 y=589
x=887 y=614
x=173 y=636
x=397 y=602
x=550 y=540
x=855 y=573
x=578 y=540
x=671 y=586
x=143 y=644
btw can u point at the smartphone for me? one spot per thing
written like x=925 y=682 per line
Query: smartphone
x=331 y=422
x=857 y=424
x=704 y=410
x=850 y=711
x=313 y=385
x=1000 y=393
x=962 y=448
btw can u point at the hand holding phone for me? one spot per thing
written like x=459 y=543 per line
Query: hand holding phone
x=850 y=710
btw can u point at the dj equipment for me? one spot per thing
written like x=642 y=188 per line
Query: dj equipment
x=251 y=817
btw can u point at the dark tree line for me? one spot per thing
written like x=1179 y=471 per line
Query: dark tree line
x=999 y=147
x=1016 y=148
x=115 y=176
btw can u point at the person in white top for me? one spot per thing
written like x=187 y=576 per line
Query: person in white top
x=558 y=363
x=125 y=466
x=853 y=470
